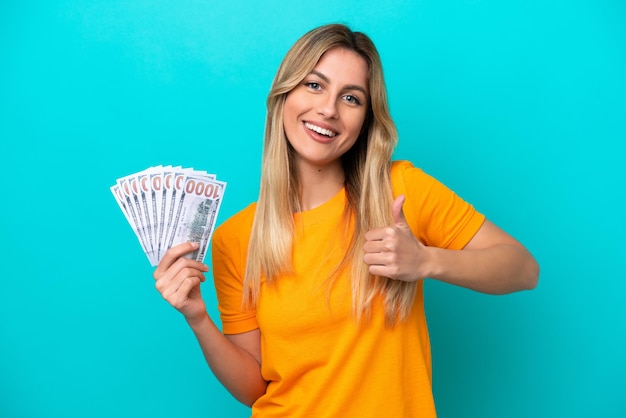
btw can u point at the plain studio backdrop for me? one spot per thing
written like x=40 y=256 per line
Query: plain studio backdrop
x=518 y=106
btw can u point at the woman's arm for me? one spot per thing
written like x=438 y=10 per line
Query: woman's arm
x=492 y=262
x=234 y=359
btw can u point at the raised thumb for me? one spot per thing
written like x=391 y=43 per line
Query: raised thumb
x=397 y=212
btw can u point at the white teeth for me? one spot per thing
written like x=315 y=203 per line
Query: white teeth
x=321 y=131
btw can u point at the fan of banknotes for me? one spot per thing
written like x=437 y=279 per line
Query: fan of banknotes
x=168 y=205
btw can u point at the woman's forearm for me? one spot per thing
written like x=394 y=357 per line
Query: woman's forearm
x=499 y=269
x=237 y=369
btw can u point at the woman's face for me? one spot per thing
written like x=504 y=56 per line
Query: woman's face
x=324 y=114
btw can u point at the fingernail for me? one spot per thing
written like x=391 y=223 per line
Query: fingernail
x=194 y=245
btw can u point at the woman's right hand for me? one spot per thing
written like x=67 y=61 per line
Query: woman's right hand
x=234 y=359
x=178 y=281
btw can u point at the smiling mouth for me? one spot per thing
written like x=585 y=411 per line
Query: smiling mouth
x=325 y=132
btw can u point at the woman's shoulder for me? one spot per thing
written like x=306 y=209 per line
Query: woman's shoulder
x=400 y=166
x=401 y=169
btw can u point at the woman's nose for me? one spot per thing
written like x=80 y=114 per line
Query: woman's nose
x=327 y=107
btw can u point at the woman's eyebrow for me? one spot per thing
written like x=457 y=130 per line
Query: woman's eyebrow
x=347 y=87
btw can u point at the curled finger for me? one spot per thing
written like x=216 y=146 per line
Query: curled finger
x=172 y=255
x=175 y=283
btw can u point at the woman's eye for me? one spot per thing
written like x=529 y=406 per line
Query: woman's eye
x=352 y=99
x=313 y=85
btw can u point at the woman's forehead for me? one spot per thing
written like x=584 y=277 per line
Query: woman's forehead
x=344 y=66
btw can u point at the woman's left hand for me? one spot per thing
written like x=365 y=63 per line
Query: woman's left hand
x=393 y=251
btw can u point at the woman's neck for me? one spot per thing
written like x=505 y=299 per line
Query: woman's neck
x=318 y=184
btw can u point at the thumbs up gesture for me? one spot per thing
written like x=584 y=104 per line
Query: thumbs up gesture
x=393 y=251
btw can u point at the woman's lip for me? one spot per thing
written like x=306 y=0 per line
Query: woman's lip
x=323 y=139
x=322 y=125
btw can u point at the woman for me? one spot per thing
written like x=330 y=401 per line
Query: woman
x=320 y=283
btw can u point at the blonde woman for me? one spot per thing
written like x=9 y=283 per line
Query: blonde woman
x=320 y=283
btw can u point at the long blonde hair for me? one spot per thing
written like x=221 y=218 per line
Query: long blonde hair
x=367 y=179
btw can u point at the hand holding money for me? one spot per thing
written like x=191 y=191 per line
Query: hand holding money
x=178 y=281
x=167 y=206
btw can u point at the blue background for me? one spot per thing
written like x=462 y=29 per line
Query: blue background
x=519 y=106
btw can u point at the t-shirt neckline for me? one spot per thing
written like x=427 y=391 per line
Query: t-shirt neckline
x=331 y=208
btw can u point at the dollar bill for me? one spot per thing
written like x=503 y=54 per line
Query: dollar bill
x=197 y=208
x=127 y=211
x=142 y=188
x=156 y=193
x=134 y=208
x=167 y=205
x=174 y=192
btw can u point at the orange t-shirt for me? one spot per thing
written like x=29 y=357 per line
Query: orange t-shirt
x=318 y=361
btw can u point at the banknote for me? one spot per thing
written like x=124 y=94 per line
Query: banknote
x=134 y=208
x=197 y=207
x=167 y=205
x=124 y=203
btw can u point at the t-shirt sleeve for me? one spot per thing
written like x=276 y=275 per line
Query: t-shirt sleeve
x=230 y=246
x=437 y=216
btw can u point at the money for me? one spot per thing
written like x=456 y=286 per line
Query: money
x=166 y=206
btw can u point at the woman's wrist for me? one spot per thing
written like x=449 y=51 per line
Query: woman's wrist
x=198 y=321
x=434 y=265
